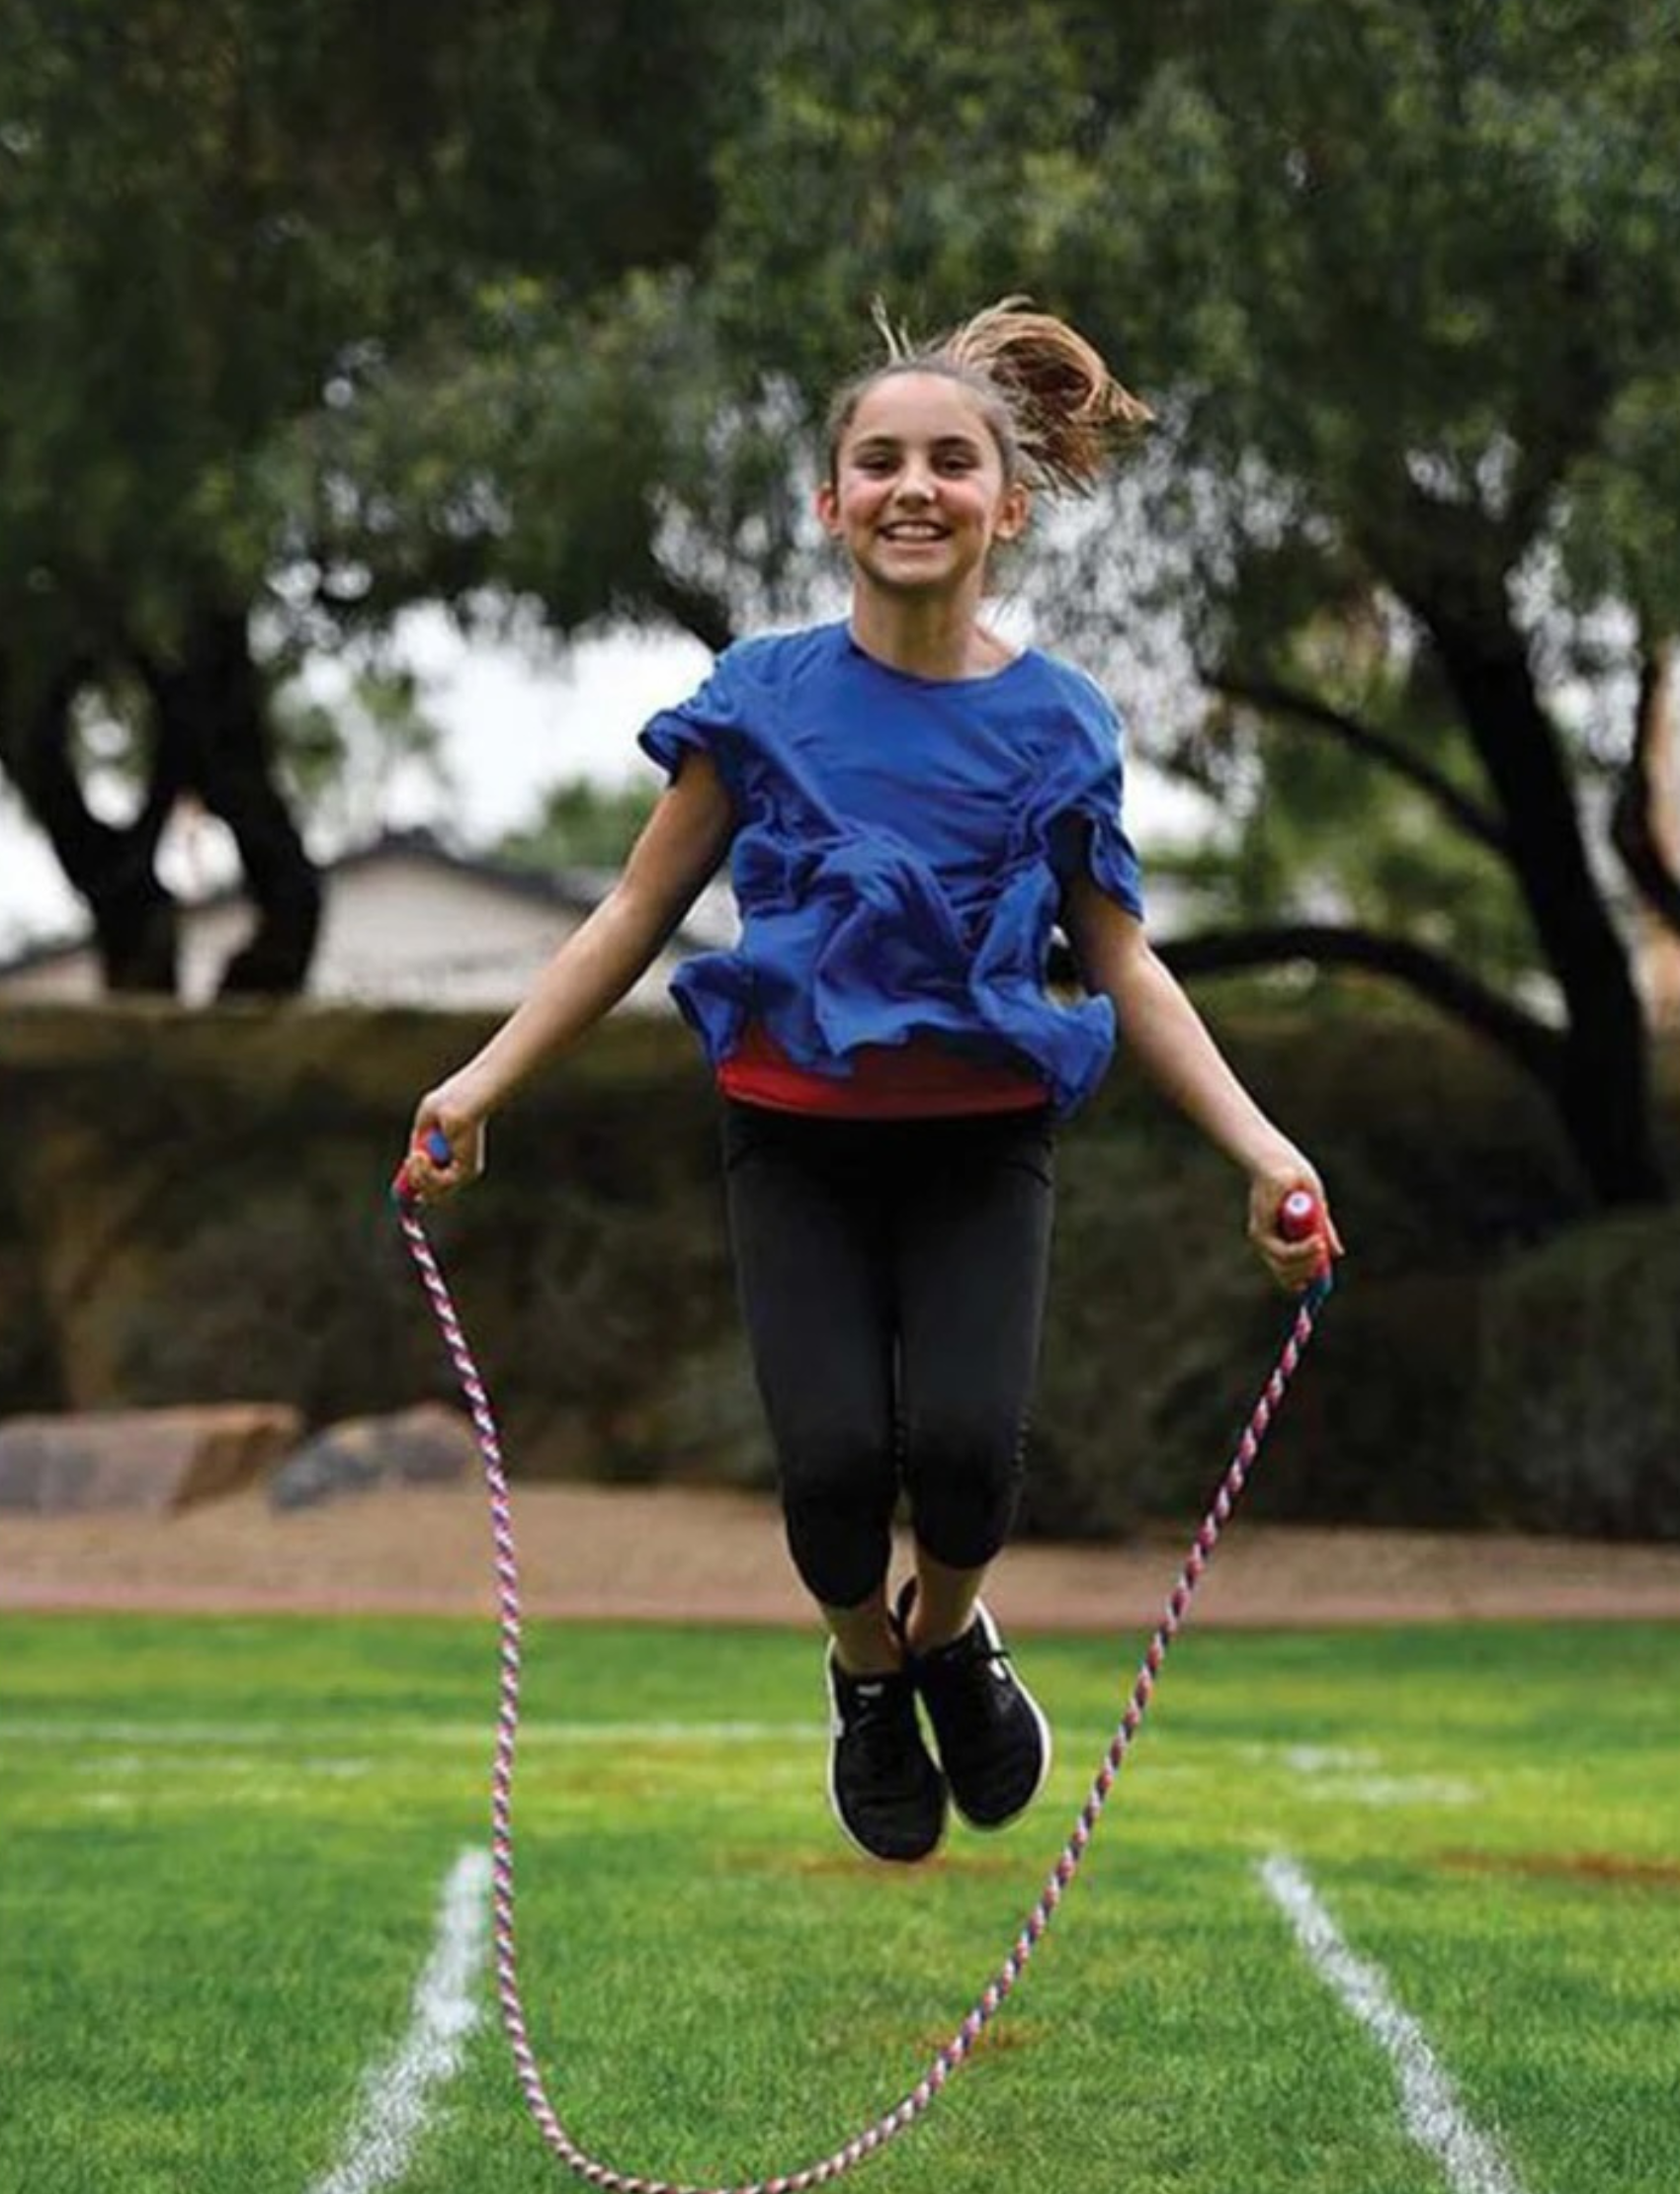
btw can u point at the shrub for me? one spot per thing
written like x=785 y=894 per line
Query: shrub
x=193 y=1208
x=1576 y=1425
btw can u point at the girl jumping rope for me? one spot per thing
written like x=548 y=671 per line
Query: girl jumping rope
x=910 y=808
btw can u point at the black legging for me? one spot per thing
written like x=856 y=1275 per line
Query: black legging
x=892 y=1276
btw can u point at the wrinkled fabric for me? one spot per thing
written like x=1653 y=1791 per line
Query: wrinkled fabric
x=901 y=852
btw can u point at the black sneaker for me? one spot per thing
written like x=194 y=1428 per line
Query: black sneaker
x=887 y=1792
x=994 y=1740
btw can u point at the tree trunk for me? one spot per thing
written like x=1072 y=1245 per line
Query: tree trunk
x=213 y=730
x=1645 y=831
x=111 y=867
x=1603 y=1085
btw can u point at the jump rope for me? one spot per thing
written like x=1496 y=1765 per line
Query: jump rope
x=1298 y=1219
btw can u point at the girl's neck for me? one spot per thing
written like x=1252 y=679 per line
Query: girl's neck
x=933 y=639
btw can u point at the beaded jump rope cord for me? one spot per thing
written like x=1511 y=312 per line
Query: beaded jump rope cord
x=1299 y=1216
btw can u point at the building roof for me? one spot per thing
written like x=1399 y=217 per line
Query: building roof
x=405 y=917
x=571 y=889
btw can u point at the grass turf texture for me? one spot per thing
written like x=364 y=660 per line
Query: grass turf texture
x=225 y=1841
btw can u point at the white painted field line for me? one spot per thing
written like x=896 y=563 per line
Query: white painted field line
x=1434 y=2116
x=397 y=2093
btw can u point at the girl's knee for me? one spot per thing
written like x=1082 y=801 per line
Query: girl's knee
x=839 y=1489
x=963 y=1479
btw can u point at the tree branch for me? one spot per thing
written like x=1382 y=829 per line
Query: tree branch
x=213 y=718
x=1636 y=816
x=1274 y=699
x=1527 y=1042
x=696 y=610
x=109 y=866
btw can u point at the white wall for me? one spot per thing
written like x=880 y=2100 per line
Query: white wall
x=396 y=931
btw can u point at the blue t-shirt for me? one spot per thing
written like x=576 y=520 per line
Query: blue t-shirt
x=901 y=852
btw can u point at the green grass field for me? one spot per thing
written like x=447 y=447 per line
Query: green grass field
x=226 y=1843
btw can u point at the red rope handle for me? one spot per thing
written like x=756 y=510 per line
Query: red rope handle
x=960 y=2048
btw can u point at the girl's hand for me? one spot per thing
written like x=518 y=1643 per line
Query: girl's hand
x=452 y=1113
x=1293 y=1265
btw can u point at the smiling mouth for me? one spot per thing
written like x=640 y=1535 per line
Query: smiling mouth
x=914 y=533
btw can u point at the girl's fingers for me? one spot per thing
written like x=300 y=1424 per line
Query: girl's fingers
x=444 y=1153
x=1294 y=1232
x=1296 y=1265
x=428 y=1165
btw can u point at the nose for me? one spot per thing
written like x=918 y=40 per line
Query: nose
x=915 y=481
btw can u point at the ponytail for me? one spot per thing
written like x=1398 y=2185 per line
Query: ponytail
x=1058 y=414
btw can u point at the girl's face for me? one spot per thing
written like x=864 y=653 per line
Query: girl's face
x=919 y=494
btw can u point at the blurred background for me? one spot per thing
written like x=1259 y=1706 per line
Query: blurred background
x=397 y=405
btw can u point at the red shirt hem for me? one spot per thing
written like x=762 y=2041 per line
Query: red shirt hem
x=919 y=1080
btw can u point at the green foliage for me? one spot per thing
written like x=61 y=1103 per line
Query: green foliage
x=206 y=1196
x=219 y=220
x=341 y=755
x=580 y=824
x=29 y=1353
x=1401 y=289
x=525 y=447
x=1307 y=831
x=947 y=165
x=1397 y=273
x=531 y=311
x=198 y=218
x=1441 y=1165
x=224 y=228
x=1578 y=1388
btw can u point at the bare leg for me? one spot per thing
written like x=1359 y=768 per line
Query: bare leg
x=864 y=1639
x=944 y=1606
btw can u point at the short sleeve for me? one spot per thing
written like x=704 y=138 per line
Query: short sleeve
x=703 y=724
x=1087 y=829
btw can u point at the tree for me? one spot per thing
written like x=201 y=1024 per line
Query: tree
x=215 y=223
x=1645 y=829
x=341 y=755
x=1443 y=294
x=1301 y=831
x=580 y=824
x=1398 y=276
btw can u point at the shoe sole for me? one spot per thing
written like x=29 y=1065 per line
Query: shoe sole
x=881 y=1858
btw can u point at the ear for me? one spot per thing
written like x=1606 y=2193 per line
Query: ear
x=1014 y=508
x=827 y=505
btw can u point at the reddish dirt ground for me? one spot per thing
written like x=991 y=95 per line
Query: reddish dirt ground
x=594 y=1553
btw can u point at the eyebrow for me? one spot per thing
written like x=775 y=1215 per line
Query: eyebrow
x=957 y=441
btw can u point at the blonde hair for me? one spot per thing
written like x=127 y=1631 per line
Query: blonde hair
x=1056 y=411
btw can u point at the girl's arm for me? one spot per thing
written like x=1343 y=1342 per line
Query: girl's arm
x=679 y=848
x=1169 y=1040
